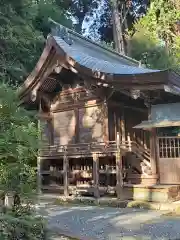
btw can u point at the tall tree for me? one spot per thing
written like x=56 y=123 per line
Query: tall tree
x=18 y=147
x=18 y=144
x=117 y=22
x=23 y=24
x=151 y=31
x=127 y=13
x=49 y=8
x=80 y=10
x=157 y=40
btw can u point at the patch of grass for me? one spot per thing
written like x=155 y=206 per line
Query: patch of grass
x=61 y=237
x=67 y=202
x=175 y=213
x=139 y=204
x=91 y=202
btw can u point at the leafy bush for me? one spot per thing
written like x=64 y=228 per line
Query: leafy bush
x=25 y=226
x=18 y=144
x=18 y=147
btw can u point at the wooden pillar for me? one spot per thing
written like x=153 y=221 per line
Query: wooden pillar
x=122 y=126
x=119 y=177
x=39 y=177
x=153 y=151
x=105 y=123
x=157 y=158
x=65 y=169
x=96 y=175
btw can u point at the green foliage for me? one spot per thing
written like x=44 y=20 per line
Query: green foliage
x=80 y=10
x=22 y=223
x=18 y=149
x=18 y=145
x=149 y=51
x=20 y=45
x=23 y=28
x=103 y=24
x=156 y=42
x=46 y=9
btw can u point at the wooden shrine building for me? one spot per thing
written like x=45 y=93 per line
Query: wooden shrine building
x=106 y=122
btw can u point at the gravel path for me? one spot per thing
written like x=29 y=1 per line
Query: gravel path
x=105 y=223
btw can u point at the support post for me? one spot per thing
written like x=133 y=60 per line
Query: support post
x=96 y=175
x=39 y=183
x=39 y=177
x=119 y=178
x=153 y=151
x=157 y=158
x=65 y=169
x=122 y=127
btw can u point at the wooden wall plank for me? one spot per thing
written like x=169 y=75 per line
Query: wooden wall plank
x=91 y=122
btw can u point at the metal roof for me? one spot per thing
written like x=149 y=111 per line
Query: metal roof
x=97 y=62
x=157 y=124
x=93 y=56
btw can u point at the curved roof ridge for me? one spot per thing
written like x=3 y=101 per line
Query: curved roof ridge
x=68 y=30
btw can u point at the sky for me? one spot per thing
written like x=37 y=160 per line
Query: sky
x=86 y=24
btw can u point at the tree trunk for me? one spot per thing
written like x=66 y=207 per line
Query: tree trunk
x=117 y=28
x=127 y=37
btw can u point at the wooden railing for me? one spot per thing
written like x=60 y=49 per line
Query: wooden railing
x=79 y=148
x=98 y=147
x=169 y=147
x=87 y=149
x=140 y=151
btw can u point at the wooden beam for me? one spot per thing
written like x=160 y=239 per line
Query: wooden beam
x=119 y=177
x=96 y=175
x=142 y=110
x=150 y=86
x=122 y=127
x=65 y=169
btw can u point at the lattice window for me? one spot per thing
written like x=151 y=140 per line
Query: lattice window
x=169 y=147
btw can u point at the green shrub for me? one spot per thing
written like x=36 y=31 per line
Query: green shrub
x=22 y=224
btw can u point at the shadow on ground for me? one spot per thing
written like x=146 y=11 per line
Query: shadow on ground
x=91 y=222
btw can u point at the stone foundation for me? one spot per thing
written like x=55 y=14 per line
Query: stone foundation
x=154 y=193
